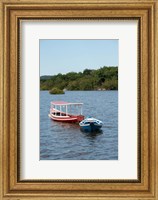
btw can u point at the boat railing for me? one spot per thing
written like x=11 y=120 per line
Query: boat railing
x=69 y=108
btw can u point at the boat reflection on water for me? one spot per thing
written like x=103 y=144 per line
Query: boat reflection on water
x=91 y=134
x=65 y=125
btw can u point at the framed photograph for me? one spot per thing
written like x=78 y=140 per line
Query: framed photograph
x=79 y=100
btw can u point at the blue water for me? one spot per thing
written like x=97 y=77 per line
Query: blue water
x=64 y=141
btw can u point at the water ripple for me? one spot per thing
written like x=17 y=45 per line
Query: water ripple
x=64 y=141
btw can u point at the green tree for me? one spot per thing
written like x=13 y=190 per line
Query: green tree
x=104 y=78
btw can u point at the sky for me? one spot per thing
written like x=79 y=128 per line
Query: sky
x=63 y=56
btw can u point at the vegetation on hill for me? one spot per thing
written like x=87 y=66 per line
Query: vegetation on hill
x=105 y=78
x=56 y=91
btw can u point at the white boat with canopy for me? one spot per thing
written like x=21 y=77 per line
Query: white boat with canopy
x=66 y=112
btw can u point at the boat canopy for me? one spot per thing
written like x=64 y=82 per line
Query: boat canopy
x=63 y=103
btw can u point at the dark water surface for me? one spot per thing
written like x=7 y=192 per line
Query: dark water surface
x=64 y=141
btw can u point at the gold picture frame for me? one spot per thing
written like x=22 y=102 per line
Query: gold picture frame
x=145 y=11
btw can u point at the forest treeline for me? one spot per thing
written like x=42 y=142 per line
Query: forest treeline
x=105 y=78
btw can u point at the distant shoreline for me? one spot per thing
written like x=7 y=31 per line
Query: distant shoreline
x=104 y=78
x=83 y=90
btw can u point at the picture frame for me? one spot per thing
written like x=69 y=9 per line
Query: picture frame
x=11 y=185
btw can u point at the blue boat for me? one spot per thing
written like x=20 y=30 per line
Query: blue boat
x=90 y=124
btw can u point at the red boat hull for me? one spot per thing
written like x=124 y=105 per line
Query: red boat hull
x=70 y=119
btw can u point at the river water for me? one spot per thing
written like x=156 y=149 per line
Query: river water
x=64 y=141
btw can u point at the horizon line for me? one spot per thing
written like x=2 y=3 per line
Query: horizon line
x=76 y=72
